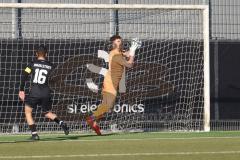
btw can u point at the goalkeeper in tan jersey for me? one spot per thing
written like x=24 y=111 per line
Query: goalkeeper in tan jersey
x=118 y=60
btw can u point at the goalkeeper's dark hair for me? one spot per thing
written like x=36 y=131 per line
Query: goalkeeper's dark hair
x=41 y=50
x=113 y=38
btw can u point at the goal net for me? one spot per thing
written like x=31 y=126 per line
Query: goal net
x=166 y=90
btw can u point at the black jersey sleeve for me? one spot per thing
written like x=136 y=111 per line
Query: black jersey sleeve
x=27 y=71
x=52 y=73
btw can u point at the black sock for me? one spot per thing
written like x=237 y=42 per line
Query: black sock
x=33 y=128
x=57 y=121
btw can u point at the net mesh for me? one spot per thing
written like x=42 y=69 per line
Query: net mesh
x=164 y=89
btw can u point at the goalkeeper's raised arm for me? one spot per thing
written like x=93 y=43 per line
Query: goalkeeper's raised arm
x=135 y=44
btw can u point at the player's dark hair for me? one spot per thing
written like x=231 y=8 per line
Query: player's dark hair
x=41 y=50
x=113 y=38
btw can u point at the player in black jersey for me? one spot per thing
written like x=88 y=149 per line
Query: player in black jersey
x=40 y=93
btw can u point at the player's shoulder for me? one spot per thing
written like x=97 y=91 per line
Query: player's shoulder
x=45 y=62
x=49 y=63
x=35 y=61
x=111 y=52
x=115 y=53
x=31 y=63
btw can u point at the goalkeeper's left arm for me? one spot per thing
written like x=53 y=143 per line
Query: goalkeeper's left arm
x=135 y=44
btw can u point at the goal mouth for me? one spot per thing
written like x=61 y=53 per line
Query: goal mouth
x=170 y=75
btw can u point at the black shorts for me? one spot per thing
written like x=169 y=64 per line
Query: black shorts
x=44 y=102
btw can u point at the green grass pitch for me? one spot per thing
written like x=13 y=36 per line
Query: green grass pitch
x=130 y=146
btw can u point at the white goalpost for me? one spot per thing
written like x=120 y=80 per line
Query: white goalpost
x=168 y=89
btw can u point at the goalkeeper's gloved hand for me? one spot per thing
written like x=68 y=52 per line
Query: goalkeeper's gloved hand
x=135 y=44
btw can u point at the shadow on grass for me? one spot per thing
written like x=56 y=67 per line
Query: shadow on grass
x=75 y=137
x=57 y=138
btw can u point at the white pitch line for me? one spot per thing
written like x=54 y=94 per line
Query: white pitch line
x=124 y=139
x=142 y=139
x=117 y=155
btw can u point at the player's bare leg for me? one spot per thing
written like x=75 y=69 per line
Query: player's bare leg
x=54 y=117
x=30 y=121
x=28 y=114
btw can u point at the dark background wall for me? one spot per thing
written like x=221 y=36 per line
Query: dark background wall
x=225 y=79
